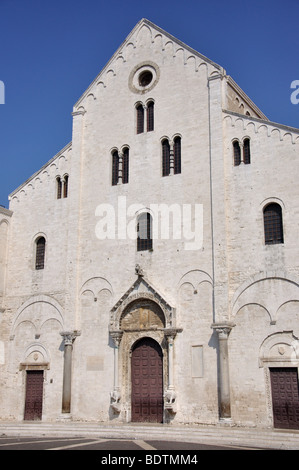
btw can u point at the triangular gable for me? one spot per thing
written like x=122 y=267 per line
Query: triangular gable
x=63 y=154
x=154 y=30
x=141 y=289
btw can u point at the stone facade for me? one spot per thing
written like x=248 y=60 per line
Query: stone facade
x=219 y=300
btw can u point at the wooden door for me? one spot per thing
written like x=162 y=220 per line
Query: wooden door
x=34 y=395
x=285 y=397
x=147 y=382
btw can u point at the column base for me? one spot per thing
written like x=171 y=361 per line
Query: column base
x=226 y=421
x=65 y=417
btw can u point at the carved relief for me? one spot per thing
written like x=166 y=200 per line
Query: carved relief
x=142 y=314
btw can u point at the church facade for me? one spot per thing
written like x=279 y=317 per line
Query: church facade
x=149 y=272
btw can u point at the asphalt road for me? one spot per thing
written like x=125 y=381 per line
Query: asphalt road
x=109 y=445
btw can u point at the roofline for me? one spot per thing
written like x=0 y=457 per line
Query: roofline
x=160 y=30
x=245 y=97
x=40 y=170
x=5 y=211
x=263 y=121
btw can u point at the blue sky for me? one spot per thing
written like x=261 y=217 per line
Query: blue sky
x=51 y=50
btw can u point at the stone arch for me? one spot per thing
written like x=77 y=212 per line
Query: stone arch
x=279 y=348
x=143 y=297
x=33 y=310
x=36 y=355
x=142 y=314
x=260 y=289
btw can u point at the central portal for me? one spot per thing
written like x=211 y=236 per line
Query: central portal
x=147 y=381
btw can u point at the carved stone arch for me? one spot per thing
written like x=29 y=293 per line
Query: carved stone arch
x=280 y=347
x=143 y=298
x=142 y=314
x=36 y=356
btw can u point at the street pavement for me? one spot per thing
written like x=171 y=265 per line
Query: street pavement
x=107 y=445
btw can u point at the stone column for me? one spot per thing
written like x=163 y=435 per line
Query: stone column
x=69 y=338
x=170 y=394
x=171 y=159
x=115 y=394
x=223 y=330
x=170 y=340
x=120 y=168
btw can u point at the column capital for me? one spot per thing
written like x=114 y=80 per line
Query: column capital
x=116 y=336
x=69 y=336
x=223 y=329
x=170 y=333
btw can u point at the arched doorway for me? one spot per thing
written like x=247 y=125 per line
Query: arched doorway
x=147 y=381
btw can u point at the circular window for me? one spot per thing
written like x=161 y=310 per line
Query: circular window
x=145 y=78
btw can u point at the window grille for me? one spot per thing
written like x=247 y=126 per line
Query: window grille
x=115 y=163
x=144 y=232
x=273 y=225
x=40 y=253
x=237 y=153
x=65 y=186
x=125 y=172
x=59 y=187
x=165 y=158
x=246 y=151
x=177 y=155
x=150 y=116
x=140 y=119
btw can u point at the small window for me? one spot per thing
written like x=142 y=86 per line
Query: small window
x=273 y=225
x=65 y=185
x=115 y=163
x=177 y=155
x=237 y=153
x=246 y=151
x=125 y=172
x=145 y=78
x=165 y=157
x=40 y=253
x=140 y=119
x=58 y=187
x=150 y=116
x=144 y=232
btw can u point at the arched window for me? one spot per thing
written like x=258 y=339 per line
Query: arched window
x=150 y=116
x=165 y=158
x=273 y=225
x=237 y=153
x=177 y=155
x=65 y=185
x=140 y=119
x=125 y=172
x=144 y=232
x=58 y=187
x=40 y=248
x=115 y=163
x=246 y=151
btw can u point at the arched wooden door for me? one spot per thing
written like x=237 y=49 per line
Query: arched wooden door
x=147 y=382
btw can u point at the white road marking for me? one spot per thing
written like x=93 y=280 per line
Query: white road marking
x=70 y=446
x=144 y=445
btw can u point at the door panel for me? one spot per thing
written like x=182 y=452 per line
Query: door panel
x=285 y=397
x=147 y=382
x=34 y=395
